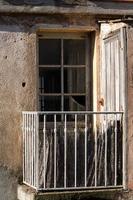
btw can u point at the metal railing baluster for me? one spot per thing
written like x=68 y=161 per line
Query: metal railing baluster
x=65 y=149
x=75 y=130
x=95 y=155
x=105 y=165
x=44 y=150
x=27 y=148
x=32 y=140
x=34 y=151
x=37 y=151
x=32 y=148
x=115 y=124
x=86 y=117
x=55 y=132
x=23 y=129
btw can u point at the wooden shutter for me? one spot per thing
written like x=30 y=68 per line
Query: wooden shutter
x=113 y=66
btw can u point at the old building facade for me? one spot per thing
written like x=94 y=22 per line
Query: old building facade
x=66 y=89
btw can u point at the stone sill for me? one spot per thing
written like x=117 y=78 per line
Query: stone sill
x=26 y=193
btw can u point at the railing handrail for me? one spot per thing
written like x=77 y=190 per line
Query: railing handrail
x=72 y=112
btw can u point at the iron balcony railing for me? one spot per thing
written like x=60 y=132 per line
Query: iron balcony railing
x=73 y=150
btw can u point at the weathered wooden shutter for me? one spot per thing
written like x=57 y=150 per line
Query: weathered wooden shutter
x=112 y=70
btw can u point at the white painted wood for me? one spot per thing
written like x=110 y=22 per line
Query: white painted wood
x=113 y=83
x=112 y=72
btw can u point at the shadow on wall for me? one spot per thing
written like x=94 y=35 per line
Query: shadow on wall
x=47 y=2
x=106 y=4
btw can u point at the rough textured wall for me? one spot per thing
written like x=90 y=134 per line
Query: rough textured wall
x=18 y=85
x=8 y=184
x=130 y=105
x=17 y=65
x=18 y=73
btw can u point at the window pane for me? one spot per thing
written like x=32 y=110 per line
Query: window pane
x=50 y=103
x=49 y=51
x=74 y=52
x=74 y=80
x=50 y=80
x=74 y=103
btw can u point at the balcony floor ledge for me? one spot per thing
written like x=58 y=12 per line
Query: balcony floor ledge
x=26 y=193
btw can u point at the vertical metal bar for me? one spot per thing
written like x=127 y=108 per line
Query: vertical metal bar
x=31 y=132
x=62 y=78
x=65 y=149
x=95 y=156
x=105 y=165
x=37 y=151
x=55 y=132
x=26 y=145
x=115 y=182
x=23 y=131
x=124 y=150
x=34 y=151
x=44 y=150
x=30 y=141
x=75 y=150
x=28 y=148
x=86 y=150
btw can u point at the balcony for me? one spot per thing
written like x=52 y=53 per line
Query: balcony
x=73 y=150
